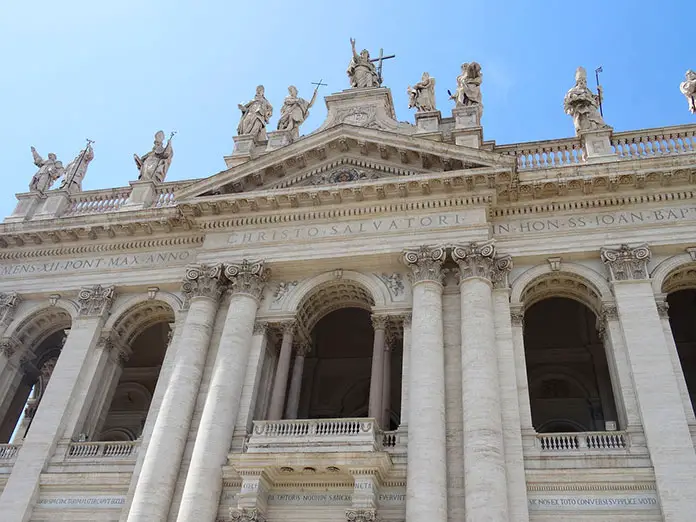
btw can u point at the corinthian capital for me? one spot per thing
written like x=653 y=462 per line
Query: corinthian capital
x=480 y=260
x=425 y=263
x=246 y=515
x=95 y=300
x=203 y=281
x=8 y=304
x=626 y=263
x=361 y=515
x=247 y=277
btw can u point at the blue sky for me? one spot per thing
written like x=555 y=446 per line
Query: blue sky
x=116 y=72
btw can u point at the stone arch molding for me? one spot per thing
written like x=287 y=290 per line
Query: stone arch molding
x=575 y=281
x=36 y=320
x=664 y=276
x=137 y=312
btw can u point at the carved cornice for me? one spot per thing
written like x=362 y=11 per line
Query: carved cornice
x=361 y=515
x=626 y=263
x=247 y=277
x=203 y=281
x=95 y=301
x=8 y=304
x=246 y=515
x=480 y=260
x=425 y=263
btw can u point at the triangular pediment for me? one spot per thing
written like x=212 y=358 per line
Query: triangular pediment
x=344 y=154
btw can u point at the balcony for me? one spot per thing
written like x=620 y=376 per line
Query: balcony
x=321 y=436
x=604 y=441
x=102 y=451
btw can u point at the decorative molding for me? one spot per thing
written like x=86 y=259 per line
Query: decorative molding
x=9 y=346
x=288 y=327
x=425 y=263
x=246 y=515
x=394 y=283
x=53 y=299
x=260 y=328
x=517 y=317
x=662 y=307
x=480 y=260
x=626 y=263
x=283 y=289
x=247 y=277
x=95 y=301
x=203 y=281
x=112 y=343
x=8 y=305
x=361 y=515
x=554 y=263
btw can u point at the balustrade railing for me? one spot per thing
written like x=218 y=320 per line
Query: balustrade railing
x=569 y=442
x=97 y=201
x=8 y=451
x=97 y=450
x=651 y=143
x=545 y=154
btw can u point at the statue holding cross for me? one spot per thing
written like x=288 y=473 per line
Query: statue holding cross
x=362 y=71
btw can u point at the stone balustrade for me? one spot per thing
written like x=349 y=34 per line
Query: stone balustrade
x=8 y=452
x=650 y=143
x=317 y=435
x=570 y=442
x=545 y=154
x=99 y=450
x=97 y=201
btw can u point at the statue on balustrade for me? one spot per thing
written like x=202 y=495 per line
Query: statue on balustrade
x=295 y=110
x=422 y=95
x=362 y=71
x=583 y=105
x=468 y=91
x=255 y=116
x=688 y=89
x=49 y=171
x=155 y=164
x=77 y=169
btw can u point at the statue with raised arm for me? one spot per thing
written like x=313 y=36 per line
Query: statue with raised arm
x=295 y=110
x=77 y=169
x=49 y=171
x=255 y=116
x=583 y=105
x=155 y=164
x=361 y=71
x=468 y=91
x=688 y=89
x=422 y=95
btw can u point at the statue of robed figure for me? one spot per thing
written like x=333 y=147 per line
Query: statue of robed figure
x=295 y=110
x=468 y=91
x=155 y=164
x=255 y=116
x=583 y=105
x=688 y=89
x=362 y=71
x=49 y=171
x=77 y=169
x=422 y=94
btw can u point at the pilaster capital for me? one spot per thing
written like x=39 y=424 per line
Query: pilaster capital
x=626 y=263
x=288 y=327
x=609 y=312
x=246 y=515
x=379 y=322
x=203 y=281
x=95 y=301
x=111 y=342
x=302 y=348
x=407 y=318
x=480 y=260
x=8 y=305
x=425 y=263
x=517 y=317
x=260 y=328
x=662 y=307
x=247 y=277
x=361 y=515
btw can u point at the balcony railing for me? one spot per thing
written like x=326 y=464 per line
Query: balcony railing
x=319 y=435
x=102 y=450
x=8 y=452
x=545 y=154
x=578 y=442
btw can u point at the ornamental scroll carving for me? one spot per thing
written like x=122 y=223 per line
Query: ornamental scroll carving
x=361 y=515
x=425 y=263
x=247 y=277
x=480 y=260
x=246 y=515
x=95 y=301
x=203 y=281
x=626 y=263
x=8 y=304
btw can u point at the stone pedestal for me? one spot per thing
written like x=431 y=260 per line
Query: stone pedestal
x=281 y=138
x=597 y=145
x=428 y=125
x=143 y=195
x=467 y=126
x=243 y=148
x=54 y=205
x=368 y=107
x=27 y=204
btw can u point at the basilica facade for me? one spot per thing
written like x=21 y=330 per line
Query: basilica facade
x=376 y=321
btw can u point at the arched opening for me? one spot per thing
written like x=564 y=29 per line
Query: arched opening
x=134 y=372
x=682 y=320
x=569 y=381
x=38 y=343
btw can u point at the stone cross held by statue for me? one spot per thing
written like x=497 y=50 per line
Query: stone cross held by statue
x=379 y=61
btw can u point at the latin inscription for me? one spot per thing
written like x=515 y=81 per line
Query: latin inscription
x=629 y=502
x=96 y=263
x=330 y=499
x=593 y=221
x=86 y=502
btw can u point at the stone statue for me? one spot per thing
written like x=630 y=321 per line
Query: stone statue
x=255 y=116
x=583 y=105
x=155 y=164
x=468 y=91
x=361 y=71
x=295 y=110
x=77 y=169
x=49 y=171
x=422 y=95
x=688 y=89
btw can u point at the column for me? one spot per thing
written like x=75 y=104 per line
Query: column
x=426 y=485
x=606 y=399
x=66 y=391
x=9 y=378
x=379 y=323
x=203 y=287
x=301 y=351
x=525 y=407
x=386 y=384
x=406 y=357
x=485 y=482
x=203 y=485
x=657 y=390
x=280 y=383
